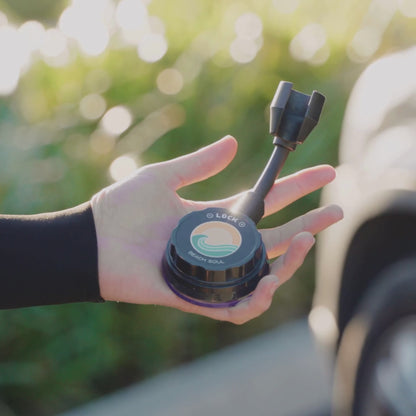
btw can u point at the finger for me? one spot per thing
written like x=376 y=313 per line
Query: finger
x=200 y=165
x=291 y=188
x=284 y=191
x=245 y=310
x=255 y=305
x=261 y=299
x=285 y=266
x=277 y=239
x=282 y=270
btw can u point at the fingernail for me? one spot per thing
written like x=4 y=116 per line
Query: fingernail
x=307 y=237
x=338 y=211
x=227 y=137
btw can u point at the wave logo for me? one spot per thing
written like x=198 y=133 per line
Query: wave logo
x=216 y=239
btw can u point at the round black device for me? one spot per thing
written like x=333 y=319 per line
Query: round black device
x=216 y=257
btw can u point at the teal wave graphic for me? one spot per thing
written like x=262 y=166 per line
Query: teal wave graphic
x=199 y=241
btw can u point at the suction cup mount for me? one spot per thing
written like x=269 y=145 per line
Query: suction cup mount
x=216 y=257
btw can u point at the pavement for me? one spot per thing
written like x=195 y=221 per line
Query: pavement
x=279 y=373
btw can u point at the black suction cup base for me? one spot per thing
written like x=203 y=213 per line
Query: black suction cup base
x=214 y=258
x=212 y=297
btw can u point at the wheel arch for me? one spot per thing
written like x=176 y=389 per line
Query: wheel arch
x=381 y=240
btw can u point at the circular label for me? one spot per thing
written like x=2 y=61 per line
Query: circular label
x=216 y=239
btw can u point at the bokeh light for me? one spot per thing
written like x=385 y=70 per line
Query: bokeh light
x=92 y=106
x=33 y=35
x=152 y=47
x=122 y=167
x=132 y=17
x=88 y=22
x=54 y=49
x=248 y=25
x=131 y=14
x=364 y=44
x=248 y=28
x=170 y=81
x=117 y=120
x=368 y=38
x=306 y=44
x=11 y=52
x=243 y=50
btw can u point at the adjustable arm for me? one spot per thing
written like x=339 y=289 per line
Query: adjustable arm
x=293 y=115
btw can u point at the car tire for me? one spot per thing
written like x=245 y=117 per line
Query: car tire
x=375 y=370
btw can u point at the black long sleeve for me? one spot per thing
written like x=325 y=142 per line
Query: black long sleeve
x=48 y=258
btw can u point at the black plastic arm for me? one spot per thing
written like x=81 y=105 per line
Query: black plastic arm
x=293 y=115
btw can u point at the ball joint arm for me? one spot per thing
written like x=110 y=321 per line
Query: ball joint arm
x=293 y=115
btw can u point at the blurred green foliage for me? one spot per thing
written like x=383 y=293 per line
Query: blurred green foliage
x=53 y=157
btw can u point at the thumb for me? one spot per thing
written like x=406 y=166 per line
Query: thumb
x=199 y=165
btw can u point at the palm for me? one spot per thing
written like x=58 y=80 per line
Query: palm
x=134 y=220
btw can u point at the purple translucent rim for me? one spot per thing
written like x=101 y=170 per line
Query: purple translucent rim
x=200 y=302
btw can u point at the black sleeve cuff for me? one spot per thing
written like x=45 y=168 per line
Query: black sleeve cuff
x=48 y=258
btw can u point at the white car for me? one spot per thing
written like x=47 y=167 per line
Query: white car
x=364 y=309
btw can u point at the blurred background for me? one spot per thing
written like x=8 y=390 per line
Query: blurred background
x=90 y=90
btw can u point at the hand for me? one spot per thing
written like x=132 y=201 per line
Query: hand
x=135 y=217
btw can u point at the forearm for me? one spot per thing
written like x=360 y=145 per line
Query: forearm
x=48 y=258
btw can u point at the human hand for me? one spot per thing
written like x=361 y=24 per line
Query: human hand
x=135 y=217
